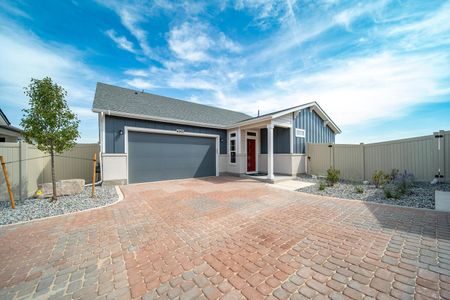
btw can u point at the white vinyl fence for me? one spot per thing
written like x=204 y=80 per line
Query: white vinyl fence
x=27 y=167
x=427 y=157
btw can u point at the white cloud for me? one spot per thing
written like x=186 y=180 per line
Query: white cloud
x=197 y=42
x=357 y=90
x=137 y=72
x=140 y=83
x=189 y=42
x=24 y=56
x=121 y=41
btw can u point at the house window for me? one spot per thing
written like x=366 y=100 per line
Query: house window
x=233 y=148
x=300 y=133
x=250 y=133
x=2 y=139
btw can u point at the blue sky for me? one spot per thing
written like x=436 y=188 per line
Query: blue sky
x=381 y=69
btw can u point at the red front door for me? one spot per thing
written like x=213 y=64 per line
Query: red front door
x=251 y=155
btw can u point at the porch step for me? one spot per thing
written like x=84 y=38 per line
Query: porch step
x=263 y=178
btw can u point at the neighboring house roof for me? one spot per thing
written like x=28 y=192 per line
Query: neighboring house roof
x=119 y=101
x=4 y=120
x=11 y=128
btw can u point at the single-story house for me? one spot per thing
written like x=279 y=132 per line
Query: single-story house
x=146 y=137
x=8 y=133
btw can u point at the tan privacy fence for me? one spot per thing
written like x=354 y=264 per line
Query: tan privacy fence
x=426 y=157
x=27 y=167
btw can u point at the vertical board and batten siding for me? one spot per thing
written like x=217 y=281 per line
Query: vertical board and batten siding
x=315 y=130
x=281 y=137
x=419 y=156
x=115 y=143
x=36 y=167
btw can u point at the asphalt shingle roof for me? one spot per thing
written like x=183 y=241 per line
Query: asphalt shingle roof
x=122 y=100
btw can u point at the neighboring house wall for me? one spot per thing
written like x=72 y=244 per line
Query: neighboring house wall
x=114 y=142
x=9 y=136
x=281 y=142
x=316 y=132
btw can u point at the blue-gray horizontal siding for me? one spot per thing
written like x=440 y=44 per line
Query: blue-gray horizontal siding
x=280 y=140
x=114 y=142
x=314 y=129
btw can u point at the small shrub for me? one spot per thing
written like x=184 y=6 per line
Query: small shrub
x=391 y=191
x=400 y=184
x=394 y=174
x=332 y=176
x=322 y=186
x=404 y=182
x=379 y=178
x=359 y=189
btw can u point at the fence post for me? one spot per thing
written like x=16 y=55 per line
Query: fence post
x=363 y=161
x=94 y=163
x=441 y=153
x=23 y=169
x=8 y=184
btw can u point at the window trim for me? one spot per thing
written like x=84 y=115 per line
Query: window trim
x=232 y=138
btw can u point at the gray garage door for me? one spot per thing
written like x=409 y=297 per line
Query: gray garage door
x=153 y=157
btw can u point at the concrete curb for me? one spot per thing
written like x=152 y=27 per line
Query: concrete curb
x=120 y=198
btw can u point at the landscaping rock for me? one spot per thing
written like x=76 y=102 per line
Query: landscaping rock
x=421 y=195
x=63 y=188
x=33 y=208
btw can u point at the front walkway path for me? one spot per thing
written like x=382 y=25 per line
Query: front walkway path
x=230 y=238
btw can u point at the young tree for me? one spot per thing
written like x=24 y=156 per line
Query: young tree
x=48 y=122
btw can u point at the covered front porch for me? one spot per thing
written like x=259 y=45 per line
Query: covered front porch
x=265 y=151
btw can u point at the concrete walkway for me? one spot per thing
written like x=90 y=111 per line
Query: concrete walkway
x=228 y=238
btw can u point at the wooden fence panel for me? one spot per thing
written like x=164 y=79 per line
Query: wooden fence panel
x=349 y=160
x=419 y=156
x=319 y=159
x=447 y=155
x=28 y=166
x=11 y=154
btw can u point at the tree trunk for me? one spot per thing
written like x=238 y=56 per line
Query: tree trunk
x=52 y=155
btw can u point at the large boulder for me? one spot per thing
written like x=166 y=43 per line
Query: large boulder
x=63 y=188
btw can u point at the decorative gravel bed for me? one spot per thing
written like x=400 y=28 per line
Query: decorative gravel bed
x=30 y=209
x=422 y=194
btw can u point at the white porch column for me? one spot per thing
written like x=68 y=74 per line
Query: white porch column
x=270 y=151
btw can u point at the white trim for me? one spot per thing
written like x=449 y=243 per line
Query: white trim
x=270 y=175
x=256 y=138
x=235 y=138
x=171 y=132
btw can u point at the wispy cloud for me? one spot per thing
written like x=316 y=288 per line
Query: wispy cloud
x=25 y=56
x=121 y=41
x=195 y=42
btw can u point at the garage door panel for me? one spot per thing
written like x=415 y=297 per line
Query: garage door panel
x=154 y=156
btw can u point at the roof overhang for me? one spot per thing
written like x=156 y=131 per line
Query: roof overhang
x=314 y=106
x=156 y=119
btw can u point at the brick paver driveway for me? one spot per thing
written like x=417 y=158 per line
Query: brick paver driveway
x=230 y=238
